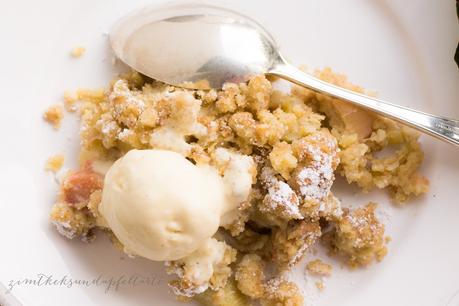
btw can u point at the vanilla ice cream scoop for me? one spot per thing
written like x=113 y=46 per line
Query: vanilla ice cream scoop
x=160 y=205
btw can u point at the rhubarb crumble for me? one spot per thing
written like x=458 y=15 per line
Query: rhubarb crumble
x=280 y=153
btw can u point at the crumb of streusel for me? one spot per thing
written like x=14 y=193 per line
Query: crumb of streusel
x=289 y=244
x=280 y=292
x=77 y=51
x=53 y=115
x=318 y=267
x=190 y=269
x=358 y=236
x=250 y=277
x=70 y=98
x=229 y=295
x=72 y=222
x=54 y=163
x=320 y=285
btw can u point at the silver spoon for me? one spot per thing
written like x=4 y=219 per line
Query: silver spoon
x=182 y=44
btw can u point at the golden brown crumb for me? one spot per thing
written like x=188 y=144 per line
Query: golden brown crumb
x=54 y=115
x=397 y=171
x=250 y=241
x=72 y=222
x=282 y=159
x=227 y=296
x=230 y=99
x=192 y=280
x=243 y=124
x=318 y=267
x=54 y=163
x=280 y=201
x=280 y=292
x=93 y=205
x=70 y=99
x=78 y=51
x=314 y=176
x=358 y=236
x=320 y=285
x=91 y=96
x=258 y=93
x=250 y=277
x=290 y=244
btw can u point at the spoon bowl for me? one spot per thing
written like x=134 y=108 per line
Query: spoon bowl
x=210 y=45
x=200 y=46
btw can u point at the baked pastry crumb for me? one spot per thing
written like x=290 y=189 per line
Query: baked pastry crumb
x=250 y=276
x=53 y=115
x=207 y=267
x=358 y=237
x=319 y=268
x=276 y=291
x=70 y=99
x=77 y=51
x=320 y=285
x=54 y=163
x=227 y=296
x=289 y=244
x=280 y=292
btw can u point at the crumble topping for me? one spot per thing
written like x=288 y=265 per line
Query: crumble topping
x=229 y=295
x=314 y=180
x=319 y=268
x=250 y=276
x=358 y=237
x=290 y=243
x=252 y=282
x=78 y=51
x=207 y=267
x=70 y=100
x=280 y=292
x=55 y=163
x=53 y=115
x=279 y=151
x=320 y=285
x=280 y=200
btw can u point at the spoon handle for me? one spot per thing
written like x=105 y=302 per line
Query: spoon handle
x=442 y=128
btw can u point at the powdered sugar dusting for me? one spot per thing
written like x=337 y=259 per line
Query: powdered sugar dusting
x=274 y=283
x=331 y=206
x=64 y=229
x=125 y=133
x=316 y=179
x=299 y=254
x=280 y=197
x=121 y=89
x=108 y=127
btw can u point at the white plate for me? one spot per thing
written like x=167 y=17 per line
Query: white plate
x=402 y=49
